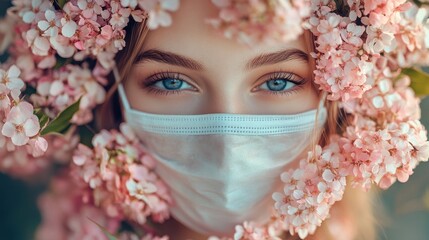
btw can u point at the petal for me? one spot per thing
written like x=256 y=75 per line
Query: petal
x=322 y=187
x=69 y=29
x=8 y=129
x=49 y=15
x=139 y=172
x=164 y=19
x=26 y=109
x=79 y=160
x=57 y=87
x=15 y=93
x=36 y=3
x=82 y=4
x=15 y=84
x=378 y=102
x=19 y=139
x=328 y=175
x=16 y=116
x=65 y=51
x=13 y=72
x=42 y=144
x=28 y=17
x=148 y=187
x=31 y=127
x=43 y=25
x=43 y=45
x=47 y=62
x=131 y=186
x=39 y=146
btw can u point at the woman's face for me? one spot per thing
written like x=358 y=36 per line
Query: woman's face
x=188 y=68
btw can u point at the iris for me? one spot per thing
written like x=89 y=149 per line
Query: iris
x=277 y=84
x=172 y=84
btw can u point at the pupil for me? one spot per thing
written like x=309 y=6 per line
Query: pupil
x=277 y=84
x=172 y=84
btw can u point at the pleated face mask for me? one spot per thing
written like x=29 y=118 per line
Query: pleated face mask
x=223 y=168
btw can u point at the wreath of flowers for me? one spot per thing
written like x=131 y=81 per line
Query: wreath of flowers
x=367 y=52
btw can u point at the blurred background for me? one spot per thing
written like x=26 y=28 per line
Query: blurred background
x=405 y=207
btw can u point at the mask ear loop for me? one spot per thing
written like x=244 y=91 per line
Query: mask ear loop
x=120 y=88
x=318 y=132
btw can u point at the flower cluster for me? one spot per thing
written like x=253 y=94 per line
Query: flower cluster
x=63 y=54
x=24 y=163
x=67 y=212
x=383 y=143
x=121 y=176
x=58 y=90
x=386 y=141
x=354 y=37
x=253 y=231
x=19 y=126
x=311 y=190
x=85 y=28
x=257 y=21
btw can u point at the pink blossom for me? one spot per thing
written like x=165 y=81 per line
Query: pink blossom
x=39 y=44
x=39 y=146
x=49 y=26
x=140 y=189
x=32 y=11
x=10 y=79
x=68 y=213
x=157 y=10
x=18 y=162
x=129 y=3
x=243 y=21
x=122 y=184
x=91 y=8
x=21 y=124
x=311 y=190
x=5 y=102
x=378 y=39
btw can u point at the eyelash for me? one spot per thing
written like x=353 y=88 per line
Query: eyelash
x=148 y=84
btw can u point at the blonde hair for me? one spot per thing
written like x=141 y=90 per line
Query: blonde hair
x=356 y=206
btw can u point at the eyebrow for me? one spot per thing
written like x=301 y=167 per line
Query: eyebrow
x=182 y=61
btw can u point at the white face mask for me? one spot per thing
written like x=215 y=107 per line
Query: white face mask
x=222 y=168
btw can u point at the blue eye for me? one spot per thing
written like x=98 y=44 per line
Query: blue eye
x=166 y=83
x=278 y=85
x=281 y=82
x=170 y=83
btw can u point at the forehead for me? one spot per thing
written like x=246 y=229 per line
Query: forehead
x=190 y=35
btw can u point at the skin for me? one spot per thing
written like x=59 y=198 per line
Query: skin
x=223 y=84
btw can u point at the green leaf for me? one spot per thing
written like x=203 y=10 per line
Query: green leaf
x=108 y=235
x=43 y=118
x=61 y=62
x=62 y=121
x=59 y=3
x=419 y=81
x=86 y=135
